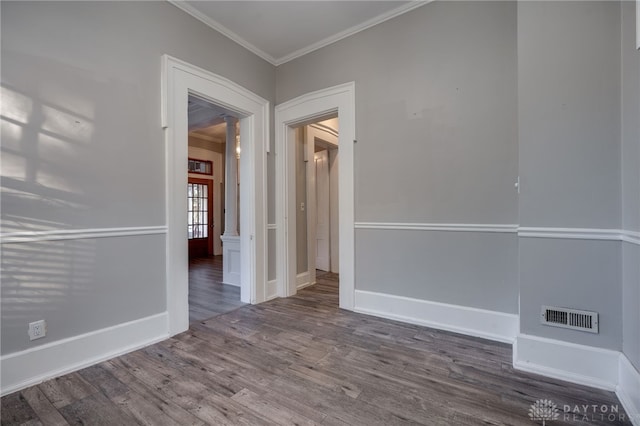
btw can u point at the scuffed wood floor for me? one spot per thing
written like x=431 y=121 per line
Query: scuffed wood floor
x=302 y=361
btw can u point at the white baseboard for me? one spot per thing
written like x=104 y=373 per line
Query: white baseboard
x=498 y=326
x=272 y=290
x=628 y=389
x=585 y=365
x=33 y=366
x=303 y=280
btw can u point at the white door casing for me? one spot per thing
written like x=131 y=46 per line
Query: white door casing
x=304 y=109
x=321 y=162
x=179 y=79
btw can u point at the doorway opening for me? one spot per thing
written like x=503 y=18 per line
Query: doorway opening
x=213 y=175
x=333 y=103
x=317 y=201
x=179 y=81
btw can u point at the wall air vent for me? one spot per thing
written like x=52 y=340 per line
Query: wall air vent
x=570 y=318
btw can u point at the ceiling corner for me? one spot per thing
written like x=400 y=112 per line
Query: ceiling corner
x=413 y=4
x=185 y=7
x=217 y=26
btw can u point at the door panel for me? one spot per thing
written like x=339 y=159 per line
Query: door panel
x=322 y=211
x=200 y=217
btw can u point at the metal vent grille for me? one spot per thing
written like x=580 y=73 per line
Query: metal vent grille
x=570 y=318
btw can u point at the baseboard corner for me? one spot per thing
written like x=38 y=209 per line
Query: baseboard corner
x=628 y=389
x=580 y=364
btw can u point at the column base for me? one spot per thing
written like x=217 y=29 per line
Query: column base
x=231 y=260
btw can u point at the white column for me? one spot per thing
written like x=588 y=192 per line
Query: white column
x=231 y=259
x=231 y=181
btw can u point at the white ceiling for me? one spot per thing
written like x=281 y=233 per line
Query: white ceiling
x=279 y=31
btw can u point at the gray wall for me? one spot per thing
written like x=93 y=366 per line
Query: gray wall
x=569 y=159
x=581 y=274
x=82 y=147
x=79 y=286
x=471 y=265
x=569 y=114
x=630 y=184
x=437 y=142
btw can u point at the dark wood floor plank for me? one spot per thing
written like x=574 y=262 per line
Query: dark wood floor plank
x=303 y=361
x=102 y=379
x=15 y=409
x=45 y=411
x=169 y=407
x=95 y=410
x=269 y=410
x=66 y=390
x=144 y=410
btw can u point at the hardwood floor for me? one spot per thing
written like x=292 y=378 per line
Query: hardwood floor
x=208 y=297
x=303 y=361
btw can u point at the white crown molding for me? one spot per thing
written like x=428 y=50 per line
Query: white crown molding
x=32 y=366
x=407 y=7
x=628 y=389
x=585 y=365
x=492 y=325
x=305 y=50
x=78 y=234
x=455 y=227
x=185 y=7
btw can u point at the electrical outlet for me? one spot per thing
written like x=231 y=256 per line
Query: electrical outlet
x=37 y=329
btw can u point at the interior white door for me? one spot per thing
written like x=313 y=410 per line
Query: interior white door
x=323 y=257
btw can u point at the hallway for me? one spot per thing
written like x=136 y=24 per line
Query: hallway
x=208 y=296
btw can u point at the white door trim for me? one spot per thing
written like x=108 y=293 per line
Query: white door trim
x=304 y=109
x=179 y=79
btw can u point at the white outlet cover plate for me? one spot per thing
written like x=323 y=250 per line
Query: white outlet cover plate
x=37 y=329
